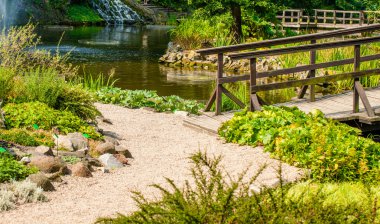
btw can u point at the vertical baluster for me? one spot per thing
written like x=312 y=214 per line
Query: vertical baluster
x=219 y=105
x=356 y=68
x=313 y=60
x=254 y=102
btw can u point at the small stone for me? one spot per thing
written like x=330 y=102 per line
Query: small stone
x=113 y=135
x=181 y=113
x=112 y=140
x=120 y=149
x=106 y=147
x=94 y=162
x=104 y=170
x=25 y=160
x=109 y=161
x=80 y=170
x=44 y=150
x=121 y=158
x=42 y=181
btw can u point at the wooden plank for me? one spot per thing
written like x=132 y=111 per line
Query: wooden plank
x=360 y=90
x=232 y=97
x=211 y=101
x=303 y=48
x=315 y=66
x=316 y=80
x=218 y=106
x=288 y=40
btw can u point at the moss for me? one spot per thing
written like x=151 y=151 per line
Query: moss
x=83 y=13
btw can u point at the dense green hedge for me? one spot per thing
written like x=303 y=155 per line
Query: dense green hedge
x=331 y=150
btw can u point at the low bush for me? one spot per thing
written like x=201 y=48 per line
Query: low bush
x=77 y=101
x=27 y=138
x=332 y=150
x=38 y=115
x=40 y=84
x=6 y=83
x=10 y=169
x=146 y=98
x=20 y=193
x=213 y=196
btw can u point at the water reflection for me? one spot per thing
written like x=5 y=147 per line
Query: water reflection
x=133 y=51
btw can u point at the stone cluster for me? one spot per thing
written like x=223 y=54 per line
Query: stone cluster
x=176 y=57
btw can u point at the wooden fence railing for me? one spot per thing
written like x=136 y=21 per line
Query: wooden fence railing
x=329 y=18
x=311 y=79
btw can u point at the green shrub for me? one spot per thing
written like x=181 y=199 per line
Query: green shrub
x=332 y=150
x=78 y=101
x=28 y=115
x=6 y=82
x=146 y=98
x=10 y=169
x=27 y=138
x=213 y=196
x=40 y=84
x=83 y=13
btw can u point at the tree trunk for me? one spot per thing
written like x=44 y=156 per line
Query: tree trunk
x=236 y=26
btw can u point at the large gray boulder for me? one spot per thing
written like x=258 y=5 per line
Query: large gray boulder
x=109 y=161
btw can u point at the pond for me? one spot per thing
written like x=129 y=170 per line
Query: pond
x=133 y=51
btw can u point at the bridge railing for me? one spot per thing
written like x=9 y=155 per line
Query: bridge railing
x=311 y=79
x=323 y=17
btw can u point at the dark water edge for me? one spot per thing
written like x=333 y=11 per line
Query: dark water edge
x=133 y=52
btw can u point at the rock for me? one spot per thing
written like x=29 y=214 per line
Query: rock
x=104 y=170
x=44 y=150
x=113 y=135
x=106 y=147
x=94 y=162
x=25 y=160
x=47 y=164
x=112 y=140
x=80 y=170
x=18 y=153
x=191 y=55
x=181 y=113
x=121 y=158
x=78 y=141
x=72 y=142
x=80 y=154
x=109 y=161
x=120 y=149
x=42 y=181
x=101 y=119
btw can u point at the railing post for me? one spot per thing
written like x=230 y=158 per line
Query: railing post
x=254 y=101
x=361 y=18
x=334 y=17
x=218 y=109
x=283 y=17
x=356 y=68
x=313 y=60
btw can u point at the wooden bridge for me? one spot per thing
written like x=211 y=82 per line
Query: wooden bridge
x=365 y=112
x=328 y=19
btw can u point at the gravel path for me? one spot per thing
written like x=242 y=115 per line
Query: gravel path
x=161 y=146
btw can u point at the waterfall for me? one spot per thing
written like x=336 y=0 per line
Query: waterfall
x=115 y=12
x=9 y=10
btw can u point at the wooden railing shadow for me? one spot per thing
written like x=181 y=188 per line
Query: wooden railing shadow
x=311 y=79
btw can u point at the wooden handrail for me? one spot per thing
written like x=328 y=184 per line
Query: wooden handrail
x=303 y=48
x=289 y=40
x=311 y=79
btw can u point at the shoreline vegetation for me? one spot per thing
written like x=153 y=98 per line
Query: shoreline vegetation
x=50 y=128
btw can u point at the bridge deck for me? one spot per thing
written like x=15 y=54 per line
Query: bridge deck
x=337 y=107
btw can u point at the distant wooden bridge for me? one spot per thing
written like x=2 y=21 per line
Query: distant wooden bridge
x=328 y=19
x=365 y=112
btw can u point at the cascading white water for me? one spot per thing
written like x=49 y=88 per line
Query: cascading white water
x=9 y=10
x=115 y=11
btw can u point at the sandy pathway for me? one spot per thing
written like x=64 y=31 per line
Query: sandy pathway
x=160 y=145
